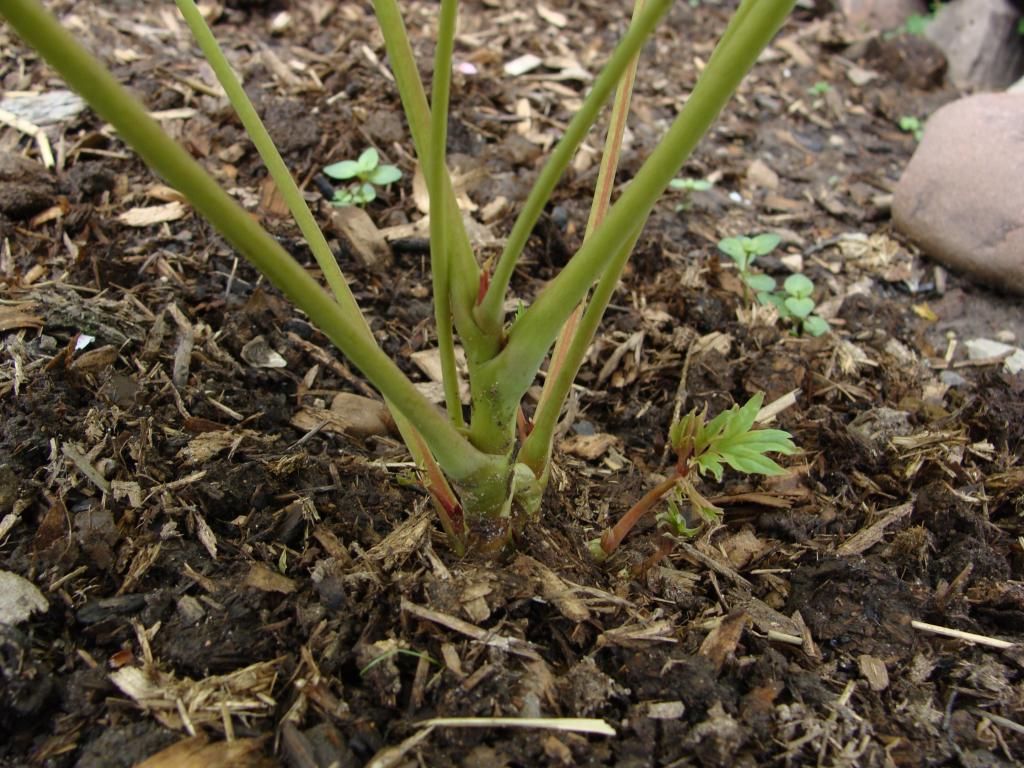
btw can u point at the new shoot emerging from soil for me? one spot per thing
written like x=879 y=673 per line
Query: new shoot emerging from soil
x=688 y=186
x=368 y=173
x=744 y=252
x=796 y=306
x=702 y=447
x=486 y=469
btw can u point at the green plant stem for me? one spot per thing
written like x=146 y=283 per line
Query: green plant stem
x=464 y=273
x=282 y=177
x=613 y=537
x=490 y=313
x=534 y=332
x=440 y=265
x=556 y=386
x=535 y=451
x=88 y=77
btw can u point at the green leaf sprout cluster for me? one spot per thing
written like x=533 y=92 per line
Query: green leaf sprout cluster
x=368 y=173
x=702 y=447
x=688 y=186
x=796 y=305
x=794 y=302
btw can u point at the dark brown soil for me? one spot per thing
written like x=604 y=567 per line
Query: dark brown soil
x=212 y=570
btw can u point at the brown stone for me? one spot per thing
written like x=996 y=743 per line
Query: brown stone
x=961 y=198
x=981 y=42
x=880 y=14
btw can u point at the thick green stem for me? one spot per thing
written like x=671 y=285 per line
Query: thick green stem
x=490 y=313
x=534 y=332
x=463 y=273
x=564 y=366
x=536 y=449
x=440 y=262
x=89 y=78
x=271 y=158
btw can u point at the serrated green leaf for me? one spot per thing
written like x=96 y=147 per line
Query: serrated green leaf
x=383 y=175
x=742 y=419
x=799 y=307
x=753 y=464
x=816 y=326
x=709 y=462
x=346 y=169
x=760 y=283
x=764 y=243
x=798 y=285
x=368 y=160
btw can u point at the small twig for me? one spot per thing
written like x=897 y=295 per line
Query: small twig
x=999 y=720
x=574 y=724
x=970 y=637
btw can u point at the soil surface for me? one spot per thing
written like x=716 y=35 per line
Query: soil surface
x=228 y=583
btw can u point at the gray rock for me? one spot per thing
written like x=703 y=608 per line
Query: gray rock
x=961 y=198
x=981 y=42
x=880 y=14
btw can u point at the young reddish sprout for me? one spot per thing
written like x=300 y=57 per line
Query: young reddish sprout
x=701 y=447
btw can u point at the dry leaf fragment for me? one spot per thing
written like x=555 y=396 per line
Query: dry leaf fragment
x=264 y=579
x=721 y=643
x=873 y=670
x=367 y=243
x=197 y=752
x=588 y=447
x=18 y=316
x=154 y=214
x=259 y=354
x=19 y=598
x=866 y=538
x=552 y=17
x=521 y=65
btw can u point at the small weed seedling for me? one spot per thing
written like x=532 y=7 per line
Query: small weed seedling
x=744 y=251
x=820 y=88
x=910 y=124
x=703 y=447
x=916 y=23
x=795 y=305
x=688 y=186
x=368 y=174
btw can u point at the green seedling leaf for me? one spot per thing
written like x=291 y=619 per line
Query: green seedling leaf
x=342 y=197
x=674 y=519
x=368 y=161
x=733 y=248
x=760 y=283
x=365 y=193
x=383 y=175
x=816 y=325
x=798 y=286
x=916 y=23
x=730 y=439
x=690 y=185
x=777 y=300
x=762 y=244
x=799 y=306
x=346 y=169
